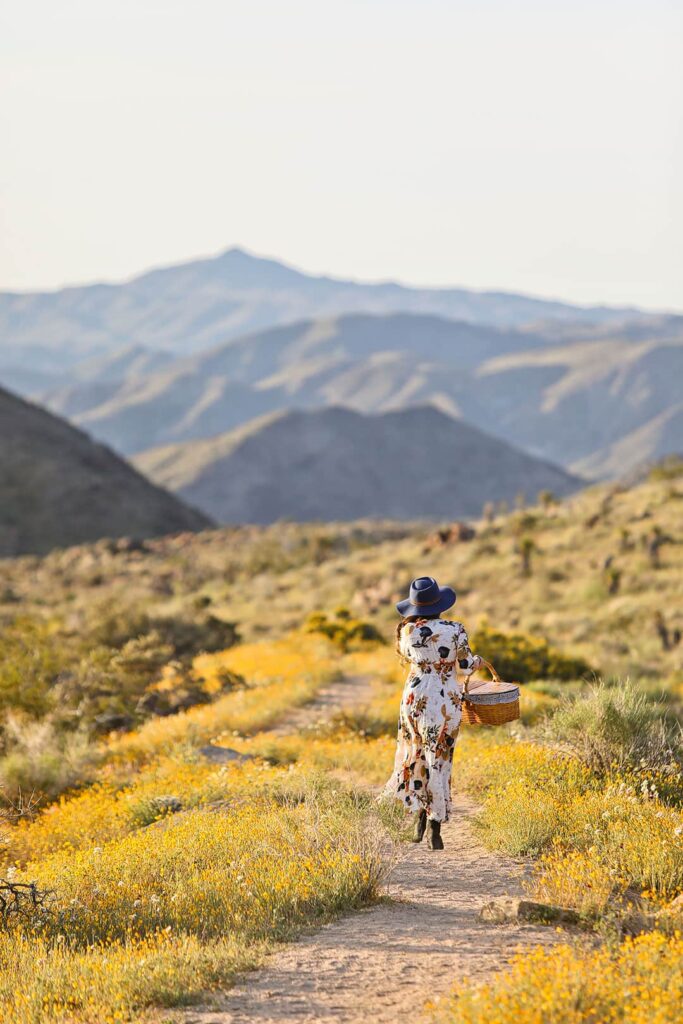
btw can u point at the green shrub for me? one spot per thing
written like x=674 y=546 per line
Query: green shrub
x=520 y=657
x=617 y=726
x=342 y=629
x=30 y=659
x=668 y=468
x=115 y=625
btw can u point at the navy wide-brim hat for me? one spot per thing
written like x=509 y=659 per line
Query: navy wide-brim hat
x=426 y=598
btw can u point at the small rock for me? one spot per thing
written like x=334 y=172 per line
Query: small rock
x=222 y=755
x=510 y=908
x=637 y=922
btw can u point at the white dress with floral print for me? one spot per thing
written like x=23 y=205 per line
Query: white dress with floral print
x=430 y=714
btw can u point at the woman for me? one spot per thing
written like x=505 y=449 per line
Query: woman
x=430 y=713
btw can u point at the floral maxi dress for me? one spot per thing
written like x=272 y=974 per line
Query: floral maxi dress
x=430 y=714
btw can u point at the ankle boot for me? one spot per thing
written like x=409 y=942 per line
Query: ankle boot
x=420 y=827
x=434 y=840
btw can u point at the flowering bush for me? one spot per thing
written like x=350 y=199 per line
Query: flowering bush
x=641 y=982
x=520 y=657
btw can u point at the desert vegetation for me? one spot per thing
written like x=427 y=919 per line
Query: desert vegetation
x=145 y=873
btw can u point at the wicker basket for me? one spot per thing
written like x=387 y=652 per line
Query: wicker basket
x=493 y=703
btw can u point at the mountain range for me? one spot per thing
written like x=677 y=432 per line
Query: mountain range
x=193 y=359
x=598 y=404
x=338 y=464
x=58 y=487
x=196 y=305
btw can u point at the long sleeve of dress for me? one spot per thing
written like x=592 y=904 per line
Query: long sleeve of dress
x=467 y=662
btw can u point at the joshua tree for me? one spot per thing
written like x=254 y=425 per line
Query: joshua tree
x=546 y=499
x=526 y=548
x=668 y=639
x=613 y=579
x=625 y=542
x=654 y=542
x=488 y=512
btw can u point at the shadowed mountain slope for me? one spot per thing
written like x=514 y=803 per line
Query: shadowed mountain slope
x=58 y=487
x=338 y=464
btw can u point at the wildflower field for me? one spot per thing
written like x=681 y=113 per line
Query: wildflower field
x=163 y=874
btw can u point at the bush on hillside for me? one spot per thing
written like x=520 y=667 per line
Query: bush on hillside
x=668 y=468
x=520 y=657
x=186 y=635
x=617 y=726
x=342 y=629
x=43 y=760
x=30 y=660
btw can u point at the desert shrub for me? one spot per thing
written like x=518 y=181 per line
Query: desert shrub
x=518 y=656
x=152 y=808
x=41 y=758
x=115 y=625
x=617 y=725
x=30 y=660
x=191 y=636
x=639 y=982
x=343 y=630
x=102 y=689
x=668 y=468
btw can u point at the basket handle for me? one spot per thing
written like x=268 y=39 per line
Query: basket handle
x=494 y=675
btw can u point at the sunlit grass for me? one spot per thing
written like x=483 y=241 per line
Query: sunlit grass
x=639 y=982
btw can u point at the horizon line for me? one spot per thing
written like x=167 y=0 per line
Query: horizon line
x=369 y=282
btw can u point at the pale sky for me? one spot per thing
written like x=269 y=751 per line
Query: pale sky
x=529 y=146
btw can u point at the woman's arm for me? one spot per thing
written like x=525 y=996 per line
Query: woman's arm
x=467 y=662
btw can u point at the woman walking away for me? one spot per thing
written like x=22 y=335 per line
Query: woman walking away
x=430 y=713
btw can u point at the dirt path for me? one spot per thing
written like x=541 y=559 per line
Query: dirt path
x=383 y=963
x=342 y=693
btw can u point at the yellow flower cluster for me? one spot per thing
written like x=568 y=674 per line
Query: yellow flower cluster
x=170 y=873
x=107 y=811
x=598 y=835
x=640 y=982
x=279 y=676
x=43 y=980
x=257 y=870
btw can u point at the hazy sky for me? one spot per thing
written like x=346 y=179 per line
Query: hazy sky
x=532 y=146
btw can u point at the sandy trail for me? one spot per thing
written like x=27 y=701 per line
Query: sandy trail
x=384 y=962
x=340 y=694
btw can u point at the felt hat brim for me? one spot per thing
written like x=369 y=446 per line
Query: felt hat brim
x=447 y=598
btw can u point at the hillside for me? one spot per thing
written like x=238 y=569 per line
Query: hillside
x=365 y=362
x=58 y=487
x=574 y=402
x=202 y=757
x=199 y=304
x=338 y=464
x=295 y=569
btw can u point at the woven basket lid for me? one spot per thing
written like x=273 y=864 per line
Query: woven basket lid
x=485 y=692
